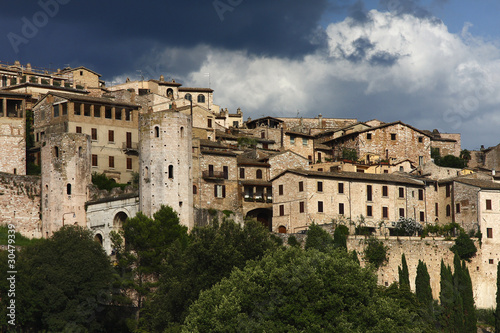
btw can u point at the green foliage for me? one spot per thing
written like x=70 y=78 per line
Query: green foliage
x=423 y=288
x=135 y=179
x=404 y=275
x=64 y=283
x=354 y=256
x=350 y=154
x=447 y=230
x=318 y=238
x=486 y=317
x=446 y=296
x=20 y=239
x=247 y=142
x=292 y=290
x=465 y=156
x=375 y=252
x=464 y=247
x=33 y=169
x=340 y=237
x=212 y=252
x=292 y=241
x=104 y=183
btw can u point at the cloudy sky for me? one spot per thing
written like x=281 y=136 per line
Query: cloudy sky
x=430 y=63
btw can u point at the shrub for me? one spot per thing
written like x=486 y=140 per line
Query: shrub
x=464 y=247
x=408 y=227
x=375 y=252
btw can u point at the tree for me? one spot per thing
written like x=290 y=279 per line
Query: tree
x=146 y=241
x=318 y=238
x=464 y=247
x=446 y=297
x=404 y=276
x=464 y=298
x=295 y=290
x=375 y=252
x=212 y=252
x=423 y=288
x=64 y=283
x=407 y=226
x=340 y=236
x=497 y=311
x=292 y=241
x=350 y=154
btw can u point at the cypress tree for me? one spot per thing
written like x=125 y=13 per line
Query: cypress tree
x=423 y=288
x=468 y=301
x=404 y=276
x=446 y=297
x=354 y=256
x=497 y=311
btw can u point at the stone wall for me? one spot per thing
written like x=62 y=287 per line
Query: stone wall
x=13 y=143
x=286 y=160
x=20 y=203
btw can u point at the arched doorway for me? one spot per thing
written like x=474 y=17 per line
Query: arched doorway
x=263 y=215
x=118 y=221
x=98 y=238
x=282 y=229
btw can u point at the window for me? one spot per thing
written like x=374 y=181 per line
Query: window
x=491 y=261
x=301 y=186
x=68 y=189
x=448 y=190
x=129 y=163
x=195 y=189
x=422 y=217
x=225 y=171
x=86 y=110
x=209 y=123
x=319 y=157
x=258 y=174
x=56 y=110
x=94 y=160
x=97 y=111
x=292 y=140
x=262 y=135
x=118 y=114
x=94 y=134
x=369 y=193
x=401 y=212
x=368 y=136
x=282 y=210
x=457 y=208
x=341 y=208
x=420 y=194
x=111 y=136
x=107 y=112
x=301 y=207
x=341 y=187
x=280 y=189
x=393 y=136
x=242 y=173
x=385 y=191
x=320 y=186
x=171 y=172
x=420 y=160
x=489 y=232
x=436 y=209
x=56 y=152
x=420 y=139
x=320 y=206
x=201 y=98
x=448 y=210
x=369 y=211
x=488 y=204
x=188 y=97
x=129 y=140
x=157 y=132
x=128 y=115
x=385 y=212
x=401 y=192
x=81 y=73
x=111 y=161
x=304 y=141
x=77 y=109
x=220 y=191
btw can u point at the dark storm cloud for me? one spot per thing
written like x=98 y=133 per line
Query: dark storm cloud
x=383 y=58
x=117 y=33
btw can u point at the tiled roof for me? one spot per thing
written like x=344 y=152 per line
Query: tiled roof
x=101 y=100
x=189 y=89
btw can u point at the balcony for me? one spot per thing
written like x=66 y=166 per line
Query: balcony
x=131 y=148
x=207 y=174
x=257 y=198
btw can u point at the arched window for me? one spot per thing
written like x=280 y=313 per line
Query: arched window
x=448 y=210
x=118 y=221
x=157 y=132
x=146 y=172
x=68 y=189
x=201 y=98
x=56 y=152
x=188 y=97
x=80 y=151
x=170 y=92
x=182 y=132
x=171 y=171
x=259 y=174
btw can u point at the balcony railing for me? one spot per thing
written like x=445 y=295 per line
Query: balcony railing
x=257 y=198
x=130 y=145
x=213 y=174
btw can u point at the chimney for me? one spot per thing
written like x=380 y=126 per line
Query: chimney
x=162 y=78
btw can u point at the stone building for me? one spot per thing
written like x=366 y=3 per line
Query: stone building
x=303 y=197
x=112 y=126
x=165 y=164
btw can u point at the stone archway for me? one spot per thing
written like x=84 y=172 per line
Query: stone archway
x=118 y=220
x=263 y=215
x=98 y=238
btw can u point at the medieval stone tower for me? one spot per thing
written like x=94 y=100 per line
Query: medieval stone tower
x=12 y=133
x=165 y=145
x=66 y=173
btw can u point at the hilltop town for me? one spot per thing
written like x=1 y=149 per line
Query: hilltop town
x=173 y=145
